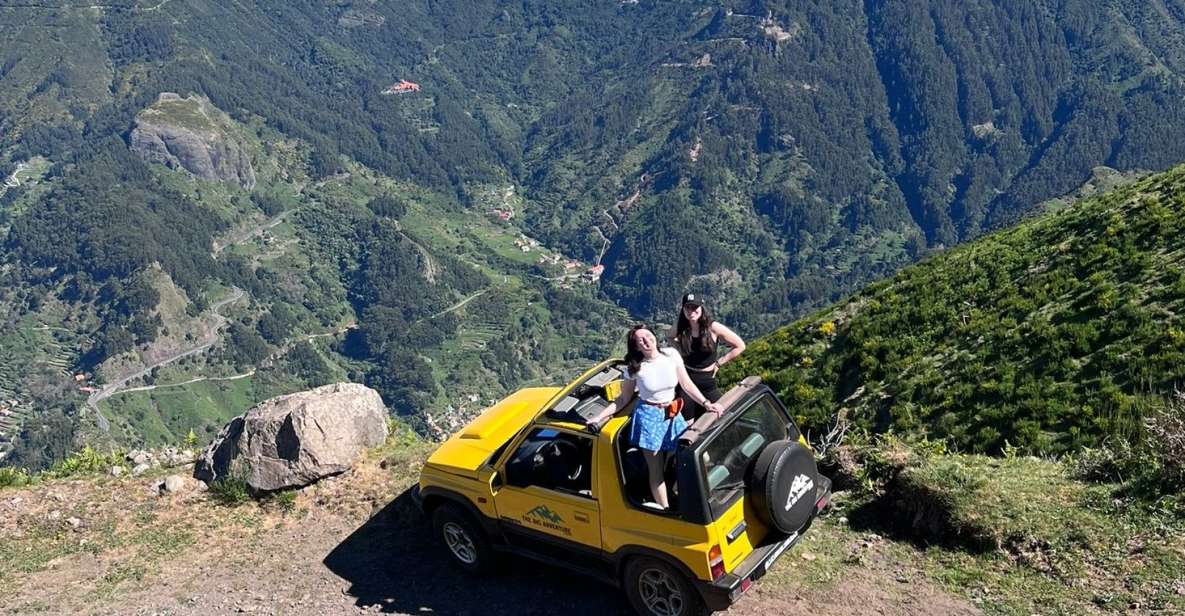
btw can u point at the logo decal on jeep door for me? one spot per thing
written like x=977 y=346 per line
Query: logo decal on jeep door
x=542 y=511
x=801 y=484
x=542 y=516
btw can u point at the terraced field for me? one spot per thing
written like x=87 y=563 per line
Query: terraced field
x=35 y=356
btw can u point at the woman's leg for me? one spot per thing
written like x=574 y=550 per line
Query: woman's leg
x=654 y=467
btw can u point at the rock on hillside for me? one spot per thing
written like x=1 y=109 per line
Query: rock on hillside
x=293 y=440
x=191 y=134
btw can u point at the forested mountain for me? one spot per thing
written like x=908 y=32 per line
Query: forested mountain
x=774 y=154
x=1060 y=333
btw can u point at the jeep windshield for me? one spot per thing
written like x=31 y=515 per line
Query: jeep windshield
x=729 y=455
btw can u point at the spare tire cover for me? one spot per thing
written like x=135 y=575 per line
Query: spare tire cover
x=782 y=486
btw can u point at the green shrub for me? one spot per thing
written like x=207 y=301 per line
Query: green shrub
x=1166 y=442
x=1154 y=463
x=867 y=462
x=1112 y=462
x=87 y=460
x=13 y=477
x=284 y=500
x=230 y=491
x=1019 y=506
x=1045 y=336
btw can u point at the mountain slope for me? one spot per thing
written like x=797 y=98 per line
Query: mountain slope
x=847 y=130
x=775 y=154
x=1054 y=335
x=819 y=132
x=292 y=281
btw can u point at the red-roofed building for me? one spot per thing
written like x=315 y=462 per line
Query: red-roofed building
x=594 y=273
x=404 y=86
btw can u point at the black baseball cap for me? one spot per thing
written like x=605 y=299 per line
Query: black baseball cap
x=693 y=299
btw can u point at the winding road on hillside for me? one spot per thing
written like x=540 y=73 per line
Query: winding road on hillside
x=429 y=264
x=235 y=377
x=13 y=181
x=456 y=306
x=196 y=379
x=238 y=237
x=213 y=336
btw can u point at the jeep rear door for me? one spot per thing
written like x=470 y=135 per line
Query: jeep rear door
x=544 y=497
x=727 y=458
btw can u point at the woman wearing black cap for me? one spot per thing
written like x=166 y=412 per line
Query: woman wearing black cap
x=695 y=336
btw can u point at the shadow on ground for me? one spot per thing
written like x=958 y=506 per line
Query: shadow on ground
x=394 y=564
x=920 y=523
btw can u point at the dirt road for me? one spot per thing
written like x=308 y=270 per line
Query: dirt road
x=355 y=544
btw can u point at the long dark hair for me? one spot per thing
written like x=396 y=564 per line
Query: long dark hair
x=683 y=331
x=633 y=355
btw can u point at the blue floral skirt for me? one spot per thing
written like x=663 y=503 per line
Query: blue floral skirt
x=652 y=431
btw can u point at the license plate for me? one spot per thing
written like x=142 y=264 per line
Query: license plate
x=774 y=556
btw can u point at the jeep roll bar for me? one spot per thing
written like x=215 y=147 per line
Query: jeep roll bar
x=701 y=426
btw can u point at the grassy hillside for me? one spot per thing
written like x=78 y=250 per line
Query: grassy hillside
x=1060 y=333
x=1013 y=534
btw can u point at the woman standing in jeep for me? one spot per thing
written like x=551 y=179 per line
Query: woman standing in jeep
x=695 y=336
x=657 y=422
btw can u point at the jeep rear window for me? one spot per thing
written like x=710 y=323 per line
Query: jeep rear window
x=729 y=457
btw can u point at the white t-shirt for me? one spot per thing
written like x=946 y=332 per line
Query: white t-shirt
x=657 y=378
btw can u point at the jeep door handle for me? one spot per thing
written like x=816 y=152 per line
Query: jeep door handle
x=736 y=532
x=580 y=517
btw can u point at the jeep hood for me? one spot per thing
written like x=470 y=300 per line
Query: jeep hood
x=471 y=447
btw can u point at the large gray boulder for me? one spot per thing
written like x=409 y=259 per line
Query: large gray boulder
x=192 y=134
x=294 y=440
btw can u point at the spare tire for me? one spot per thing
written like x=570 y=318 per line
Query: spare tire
x=782 y=486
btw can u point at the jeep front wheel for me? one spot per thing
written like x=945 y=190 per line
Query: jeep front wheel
x=655 y=588
x=465 y=541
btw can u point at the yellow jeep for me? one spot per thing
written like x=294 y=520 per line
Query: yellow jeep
x=527 y=477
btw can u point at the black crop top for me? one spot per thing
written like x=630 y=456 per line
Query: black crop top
x=700 y=356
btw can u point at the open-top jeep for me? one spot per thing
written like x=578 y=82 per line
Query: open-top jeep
x=527 y=477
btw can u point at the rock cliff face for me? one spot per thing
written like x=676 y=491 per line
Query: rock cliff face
x=293 y=440
x=192 y=134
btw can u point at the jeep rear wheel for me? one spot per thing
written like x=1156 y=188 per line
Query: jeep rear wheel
x=655 y=588
x=466 y=543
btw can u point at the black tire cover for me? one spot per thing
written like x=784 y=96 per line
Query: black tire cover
x=783 y=485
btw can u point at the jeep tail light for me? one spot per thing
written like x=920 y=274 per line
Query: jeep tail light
x=716 y=562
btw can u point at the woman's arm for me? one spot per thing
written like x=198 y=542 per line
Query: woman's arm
x=628 y=388
x=736 y=344
x=690 y=388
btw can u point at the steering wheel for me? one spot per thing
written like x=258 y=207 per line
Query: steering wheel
x=560 y=449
